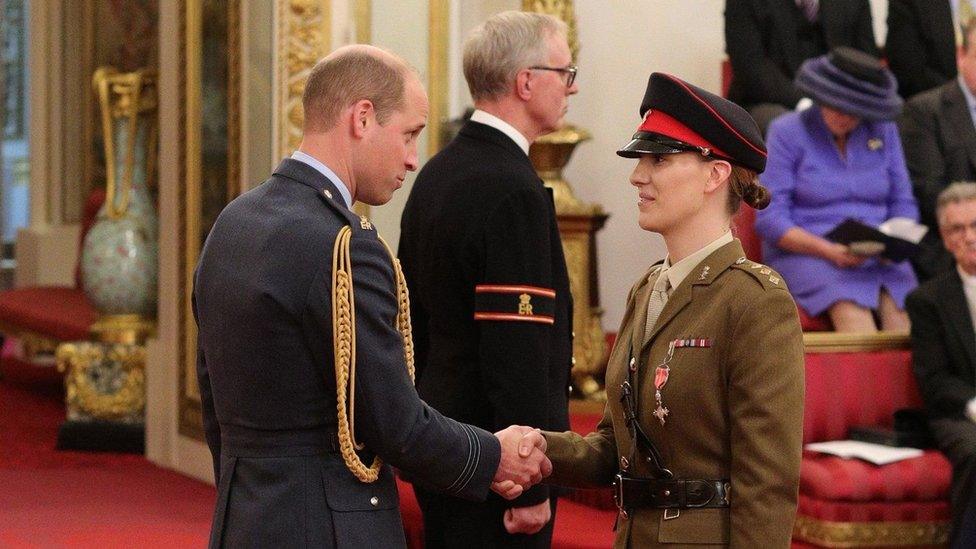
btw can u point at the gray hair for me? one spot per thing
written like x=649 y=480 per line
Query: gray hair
x=962 y=191
x=504 y=44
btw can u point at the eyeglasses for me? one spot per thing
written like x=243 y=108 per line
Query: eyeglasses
x=570 y=71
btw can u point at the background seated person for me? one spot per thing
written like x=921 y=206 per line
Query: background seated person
x=938 y=129
x=943 y=312
x=839 y=159
x=767 y=40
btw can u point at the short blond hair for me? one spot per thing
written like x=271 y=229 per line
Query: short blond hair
x=961 y=191
x=339 y=80
x=504 y=44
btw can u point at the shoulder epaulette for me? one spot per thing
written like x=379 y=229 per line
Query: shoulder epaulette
x=763 y=274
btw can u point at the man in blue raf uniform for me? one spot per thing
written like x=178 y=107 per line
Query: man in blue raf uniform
x=298 y=306
x=481 y=252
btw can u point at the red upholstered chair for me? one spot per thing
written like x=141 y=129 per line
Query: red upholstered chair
x=851 y=503
x=42 y=316
x=743 y=228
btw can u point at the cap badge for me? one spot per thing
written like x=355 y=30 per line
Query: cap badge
x=740 y=261
x=875 y=143
x=702 y=275
x=327 y=193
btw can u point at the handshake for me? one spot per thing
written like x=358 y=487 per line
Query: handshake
x=523 y=463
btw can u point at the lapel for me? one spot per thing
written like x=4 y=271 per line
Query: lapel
x=641 y=297
x=702 y=275
x=957 y=112
x=957 y=311
x=326 y=190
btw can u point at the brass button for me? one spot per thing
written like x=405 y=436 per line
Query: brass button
x=374 y=501
x=573 y=334
x=574 y=361
x=624 y=464
x=667 y=492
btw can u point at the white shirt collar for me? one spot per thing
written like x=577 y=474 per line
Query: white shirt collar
x=489 y=119
x=968 y=280
x=324 y=170
x=680 y=270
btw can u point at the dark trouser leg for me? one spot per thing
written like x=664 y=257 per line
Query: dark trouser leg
x=452 y=523
x=957 y=439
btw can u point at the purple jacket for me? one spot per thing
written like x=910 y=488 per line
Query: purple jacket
x=815 y=188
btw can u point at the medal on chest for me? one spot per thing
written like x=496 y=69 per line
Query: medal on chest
x=663 y=372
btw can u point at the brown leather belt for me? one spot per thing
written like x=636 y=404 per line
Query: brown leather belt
x=631 y=492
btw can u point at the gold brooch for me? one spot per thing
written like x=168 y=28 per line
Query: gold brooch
x=875 y=143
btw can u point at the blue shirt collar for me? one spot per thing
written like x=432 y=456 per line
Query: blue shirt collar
x=324 y=170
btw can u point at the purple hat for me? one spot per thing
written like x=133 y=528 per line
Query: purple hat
x=851 y=81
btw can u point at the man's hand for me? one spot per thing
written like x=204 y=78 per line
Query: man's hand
x=523 y=462
x=527 y=520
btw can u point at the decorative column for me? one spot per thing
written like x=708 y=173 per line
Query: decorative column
x=578 y=225
x=104 y=377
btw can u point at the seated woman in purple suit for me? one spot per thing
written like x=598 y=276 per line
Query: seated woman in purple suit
x=839 y=159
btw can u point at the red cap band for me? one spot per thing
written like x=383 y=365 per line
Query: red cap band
x=661 y=122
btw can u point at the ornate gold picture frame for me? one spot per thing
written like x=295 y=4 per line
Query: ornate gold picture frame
x=209 y=160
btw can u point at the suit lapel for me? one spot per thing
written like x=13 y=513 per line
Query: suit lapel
x=957 y=309
x=641 y=299
x=958 y=112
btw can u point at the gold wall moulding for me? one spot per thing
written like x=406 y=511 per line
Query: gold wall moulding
x=304 y=37
x=209 y=101
x=103 y=381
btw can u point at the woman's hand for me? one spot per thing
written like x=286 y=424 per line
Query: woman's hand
x=841 y=255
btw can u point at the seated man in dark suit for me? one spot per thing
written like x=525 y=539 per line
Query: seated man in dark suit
x=768 y=40
x=943 y=313
x=921 y=43
x=938 y=132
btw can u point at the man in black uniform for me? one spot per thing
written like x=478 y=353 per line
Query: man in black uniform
x=491 y=305
x=289 y=284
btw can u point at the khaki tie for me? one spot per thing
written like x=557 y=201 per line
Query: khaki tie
x=659 y=296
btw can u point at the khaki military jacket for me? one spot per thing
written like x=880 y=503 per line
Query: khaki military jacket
x=735 y=407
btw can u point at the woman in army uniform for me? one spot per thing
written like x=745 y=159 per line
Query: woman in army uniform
x=701 y=436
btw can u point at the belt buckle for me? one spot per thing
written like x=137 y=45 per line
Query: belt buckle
x=618 y=493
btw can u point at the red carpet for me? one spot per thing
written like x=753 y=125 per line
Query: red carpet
x=55 y=499
x=50 y=498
